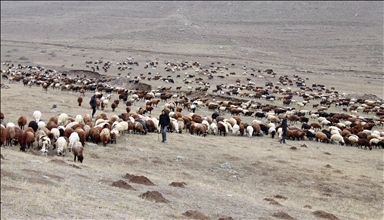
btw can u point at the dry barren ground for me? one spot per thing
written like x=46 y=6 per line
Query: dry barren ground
x=338 y=44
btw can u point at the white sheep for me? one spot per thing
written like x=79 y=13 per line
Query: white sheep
x=213 y=128
x=71 y=124
x=79 y=119
x=353 y=138
x=72 y=139
x=249 y=130
x=62 y=120
x=41 y=125
x=235 y=129
x=37 y=115
x=338 y=138
x=61 y=145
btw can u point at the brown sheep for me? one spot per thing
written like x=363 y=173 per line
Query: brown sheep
x=197 y=118
x=3 y=136
x=68 y=132
x=77 y=150
x=54 y=119
x=22 y=121
x=79 y=100
x=105 y=136
x=10 y=134
x=256 y=129
x=94 y=133
x=26 y=138
x=139 y=127
x=322 y=137
x=51 y=124
x=87 y=118
x=113 y=106
x=363 y=142
x=82 y=135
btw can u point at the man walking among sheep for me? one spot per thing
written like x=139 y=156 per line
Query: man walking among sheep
x=93 y=105
x=284 y=127
x=164 y=122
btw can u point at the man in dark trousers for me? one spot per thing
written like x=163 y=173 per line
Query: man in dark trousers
x=93 y=105
x=164 y=121
x=284 y=127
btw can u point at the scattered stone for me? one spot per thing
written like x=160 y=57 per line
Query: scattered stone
x=179 y=158
x=280 y=197
x=178 y=184
x=327 y=153
x=308 y=207
x=2 y=157
x=328 y=166
x=272 y=201
x=293 y=148
x=226 y=165
x=304 y=145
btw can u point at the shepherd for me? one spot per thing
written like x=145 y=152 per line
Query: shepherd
x=164 y=122
x=93 y=105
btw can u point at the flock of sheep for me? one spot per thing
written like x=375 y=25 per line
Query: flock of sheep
x=65 y=133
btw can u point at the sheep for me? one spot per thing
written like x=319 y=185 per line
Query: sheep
x=353 y=139
x=323 y=137
x=45 y=142
x=41 y=125
x=37 y=115
x=22 y=121
x=213 y=128
x=33 y=125
x=114 y=134
x=105 y=136
x=74 y=137
x=79 y=100
x=82 y=135
x=363 y=142
x=62 y=145
x=25 y=138
x=62 y=120
x=249 y=131
x=10 y=134
x=79 y=119
x=376 y=142
x=235 y=129
x=338 y=138
x=77 y=151
x=3 y=136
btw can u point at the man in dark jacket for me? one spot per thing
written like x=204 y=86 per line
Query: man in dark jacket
x=93 y=105
x=284 y=127
x=164 y=121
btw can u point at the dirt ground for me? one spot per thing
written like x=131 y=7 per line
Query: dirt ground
x=338 y=44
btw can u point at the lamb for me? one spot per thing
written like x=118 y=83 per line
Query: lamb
x=37 y=115
x=77 y=151
x=338 y=138
x=22 y=121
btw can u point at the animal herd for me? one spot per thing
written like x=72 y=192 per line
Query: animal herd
x=63 y=133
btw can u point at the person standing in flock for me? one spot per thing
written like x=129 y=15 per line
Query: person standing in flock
x=93 y=105
x=284 y=128
x=164 y=121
